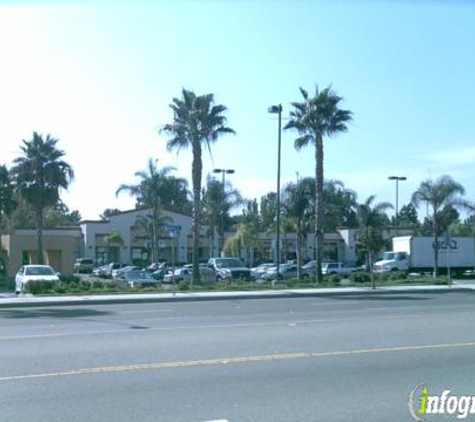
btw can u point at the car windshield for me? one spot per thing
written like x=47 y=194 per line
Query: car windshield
x=229 y=263
x=39 y=271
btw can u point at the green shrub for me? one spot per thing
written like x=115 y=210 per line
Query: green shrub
x=98 y=285
x=84 y=285
x=382 y=276
x=184 y=285
x=397 y=275
x=360 y=277
x=61 y=289
x=291 y=282
x=37 y=287
x=69 y=279
x=333 y=279
x=72 y=285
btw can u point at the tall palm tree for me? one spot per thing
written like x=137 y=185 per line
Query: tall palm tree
x=39 y=175
x=197 y=121
x=314 y=118
x=438 y=194
x=155 y=189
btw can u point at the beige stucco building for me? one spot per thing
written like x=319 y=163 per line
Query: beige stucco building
x=61 y=246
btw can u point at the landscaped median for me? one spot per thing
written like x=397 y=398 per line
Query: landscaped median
x=96 y=286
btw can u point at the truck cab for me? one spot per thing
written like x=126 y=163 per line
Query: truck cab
x=391 y=261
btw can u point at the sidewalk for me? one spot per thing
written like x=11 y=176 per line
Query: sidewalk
x=8 y=300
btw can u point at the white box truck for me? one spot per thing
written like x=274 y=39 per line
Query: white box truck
x=416 y=254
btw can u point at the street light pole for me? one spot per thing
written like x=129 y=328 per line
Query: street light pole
x=397 y=179
x=277 y=109
x=223 y=181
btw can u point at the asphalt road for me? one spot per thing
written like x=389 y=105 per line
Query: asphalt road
x=334 y=358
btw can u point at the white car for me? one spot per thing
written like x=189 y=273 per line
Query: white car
x=28 y=273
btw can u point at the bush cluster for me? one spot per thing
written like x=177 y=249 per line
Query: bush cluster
x=360 y=277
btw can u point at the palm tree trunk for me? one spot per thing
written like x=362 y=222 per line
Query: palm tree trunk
x=196 y=170
x=319 y=206
x=39 y=234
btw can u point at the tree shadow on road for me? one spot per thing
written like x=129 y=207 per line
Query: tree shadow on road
x=51 y=313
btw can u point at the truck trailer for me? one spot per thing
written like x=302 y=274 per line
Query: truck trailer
x=416 y=254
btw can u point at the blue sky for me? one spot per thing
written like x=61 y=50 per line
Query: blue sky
x=100 y=75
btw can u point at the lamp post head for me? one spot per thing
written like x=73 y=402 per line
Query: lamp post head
x=275 y=109
x=397 y=178
x=227 y=171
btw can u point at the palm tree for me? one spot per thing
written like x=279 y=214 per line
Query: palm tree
x=340 y=205
x=7 y=205
x=217 y=202
x=371 y=218
x=39 y=175
x=314 y=118
x=369 y=214
x=298 y=204
x=438 y=194
x=7 y=200
x=113 y=240
x=154 y=230
x=155 y=190
x=197 y=121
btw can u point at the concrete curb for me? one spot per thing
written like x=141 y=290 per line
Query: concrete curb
x=15 y=302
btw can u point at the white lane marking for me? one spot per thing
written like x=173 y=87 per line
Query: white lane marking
x=218 y=420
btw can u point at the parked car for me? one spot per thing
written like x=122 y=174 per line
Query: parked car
x=100 y=271
x=160 y=273
x=261 y=269
x=286 y=271
x=105 y=271
x=185 y=273
x=28 y=273
x=229 y=268
x=120 y=272
x=337 y=268
x=83 y=265
x=139 y=278
x=154 y=266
